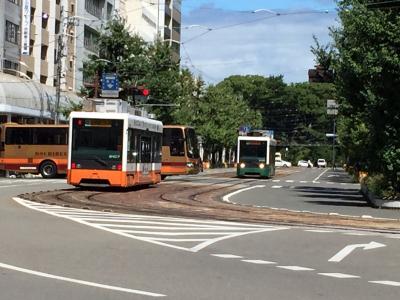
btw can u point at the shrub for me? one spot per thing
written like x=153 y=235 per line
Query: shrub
x=379 y=185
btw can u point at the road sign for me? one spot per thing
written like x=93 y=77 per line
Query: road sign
x=109 y=85
x=332 y=108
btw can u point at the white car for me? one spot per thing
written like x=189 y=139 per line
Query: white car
x=321 y=163
x=282 y=163
x=304 y=163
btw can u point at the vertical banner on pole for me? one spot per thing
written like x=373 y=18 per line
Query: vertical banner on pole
x=26 y=26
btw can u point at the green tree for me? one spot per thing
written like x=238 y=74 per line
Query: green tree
x=368 y=81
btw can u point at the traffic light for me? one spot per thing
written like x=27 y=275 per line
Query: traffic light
x=138 y=94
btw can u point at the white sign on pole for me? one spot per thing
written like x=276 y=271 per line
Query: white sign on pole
x=332 y=108
x=26 y=26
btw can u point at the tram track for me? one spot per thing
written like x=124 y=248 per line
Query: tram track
x=184 y=199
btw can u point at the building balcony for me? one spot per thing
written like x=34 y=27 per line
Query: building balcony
x=45 y=37
x=46 y=6
x=176 y=36
x=29 y=60
x=44 y=68
x=33 y=32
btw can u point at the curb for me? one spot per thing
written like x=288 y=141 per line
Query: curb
x=377 y=202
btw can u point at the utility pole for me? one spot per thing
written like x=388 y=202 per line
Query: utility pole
x=60 y=54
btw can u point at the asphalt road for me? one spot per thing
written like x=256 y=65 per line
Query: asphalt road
x=315 y=190
x=49 y=252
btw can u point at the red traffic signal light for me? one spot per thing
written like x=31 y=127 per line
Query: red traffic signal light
x=145 y=92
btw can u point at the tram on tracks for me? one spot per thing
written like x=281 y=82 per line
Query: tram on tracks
x=34 y=148
x=180 y=151
x=118 y=149
x=256 y=154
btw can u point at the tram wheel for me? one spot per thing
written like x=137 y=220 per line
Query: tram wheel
x=48 y=169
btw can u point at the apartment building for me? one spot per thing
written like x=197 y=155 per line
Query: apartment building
x=152 y=18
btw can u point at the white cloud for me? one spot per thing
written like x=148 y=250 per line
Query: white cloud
x=273 y=46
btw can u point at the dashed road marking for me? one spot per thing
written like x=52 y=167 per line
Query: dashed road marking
x=276 y=187
x=178 y=233
x=226 y=255
x=386 y=282
x=259 y=261
x=339 y=275
x=295 y=268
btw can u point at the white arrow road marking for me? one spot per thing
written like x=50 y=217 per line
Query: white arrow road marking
x=77 y=281
x=348 y=249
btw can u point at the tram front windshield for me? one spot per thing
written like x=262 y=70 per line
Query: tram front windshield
x=97 y=144
x=251 y=151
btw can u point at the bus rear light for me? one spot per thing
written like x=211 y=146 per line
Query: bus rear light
x=119 y=167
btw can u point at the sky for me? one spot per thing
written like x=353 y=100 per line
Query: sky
x=230 y=39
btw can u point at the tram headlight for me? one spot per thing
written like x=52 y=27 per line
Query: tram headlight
x=262 y=166
x=242 y=165
x=189 y=165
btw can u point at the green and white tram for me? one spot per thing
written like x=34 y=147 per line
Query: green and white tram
x=256 y=156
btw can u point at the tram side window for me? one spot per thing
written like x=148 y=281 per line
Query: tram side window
x=18 y=136
x=133 y=153
x=157 y=147
x=173 y=138
x=145 y=149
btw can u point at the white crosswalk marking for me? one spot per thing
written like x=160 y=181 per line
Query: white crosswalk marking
x=179 y=233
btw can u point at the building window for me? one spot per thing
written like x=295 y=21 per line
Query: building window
x=109 y=10
x=90 y=39
x=43 y=79
x=15 y=1
x=43 y=53
x=57 y=27
x=32 y=14
x=45 y=20
x=93 y=7
x=12 y=32
x=29 y=74
x=10 y=65
x=31 y=45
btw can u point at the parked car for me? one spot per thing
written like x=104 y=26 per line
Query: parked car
x=282 y=163
x=321 y=163
x=305 y=163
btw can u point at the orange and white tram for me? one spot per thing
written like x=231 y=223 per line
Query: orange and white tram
x=118 y=149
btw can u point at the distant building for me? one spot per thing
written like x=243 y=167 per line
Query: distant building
x=152 y=18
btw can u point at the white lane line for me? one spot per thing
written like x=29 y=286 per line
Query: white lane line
x=81 y=282
x=386 y=282
x=295 y=268
x=319 y=230
x=290 y=181
x=276 y=180
x=339 y=275
x=358 y=234
x=303 y=181
x=259 y=261
x=276 y=187
x=319 y=176
x=226 y=255
x=161 y=233
x=226 y=197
